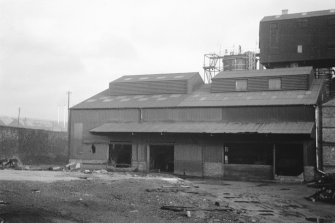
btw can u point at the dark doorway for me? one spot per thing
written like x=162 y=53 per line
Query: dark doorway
x=289 y=159
x=120 y=155
x=161 y=158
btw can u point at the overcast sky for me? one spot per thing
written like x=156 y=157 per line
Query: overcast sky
x=49 y=47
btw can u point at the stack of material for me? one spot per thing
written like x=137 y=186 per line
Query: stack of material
x=326 y=185
x=12 y=163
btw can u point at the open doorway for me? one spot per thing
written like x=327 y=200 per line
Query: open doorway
x=120 y=155
x=289 y=159
x=162 y=158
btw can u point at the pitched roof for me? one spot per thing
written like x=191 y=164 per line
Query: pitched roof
x=155 y=77
x=299 y=15
x=204 y=98
x=264 y=73
x=207 y=127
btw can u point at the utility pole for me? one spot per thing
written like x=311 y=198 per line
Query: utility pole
x=68 y=124
x=18 y=117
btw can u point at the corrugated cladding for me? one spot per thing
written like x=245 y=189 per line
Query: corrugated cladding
x=92 y=118
x=297 y=82
x=207 y=127
x=213 y=153
x=149 y=87
x=289 y=82
x=181 y=83
x=313 y=33
x=182 y=114
x=203 y=97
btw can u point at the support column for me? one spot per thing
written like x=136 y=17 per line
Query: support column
x=148 y=158
x=274 y=161
x=318 y=138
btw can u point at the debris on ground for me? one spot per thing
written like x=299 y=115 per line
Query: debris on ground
x=55 y=168
x=72 y=166
x=100 y=171
x=326 y=185
x=3 y=202
x=177 y=188
x=12 y=163
x=192 y=208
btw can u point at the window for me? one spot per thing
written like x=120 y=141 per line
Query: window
x=248 y=153
x=275 y=84
x=299 y=49
x=241 y=85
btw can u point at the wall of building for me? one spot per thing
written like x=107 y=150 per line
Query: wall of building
x=195 y=154
x=289 y=82
x=328 y=136
x=33 y=146
x=84 y=120
x=315 y=35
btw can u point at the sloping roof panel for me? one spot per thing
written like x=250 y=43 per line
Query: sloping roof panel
x=175 y=83
x=299 y=15
x=204 y=98
x=207 y=127
x=156 y=77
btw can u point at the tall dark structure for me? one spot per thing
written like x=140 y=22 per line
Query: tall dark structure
x=305 y=39
x=299 y=39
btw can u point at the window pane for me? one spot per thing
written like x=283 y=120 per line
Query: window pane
x=275 y=84
x=241 y=85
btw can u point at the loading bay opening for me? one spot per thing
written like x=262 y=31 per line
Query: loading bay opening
x=119 y=155
x=289 y=159
x=162 y=158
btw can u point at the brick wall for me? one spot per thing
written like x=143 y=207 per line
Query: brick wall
x=328 y=136
x=33 y=146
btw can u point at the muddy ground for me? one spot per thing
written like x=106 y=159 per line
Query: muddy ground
x=49 y=196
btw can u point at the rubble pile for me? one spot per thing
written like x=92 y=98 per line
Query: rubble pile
x=12 y=163
x=326 y=191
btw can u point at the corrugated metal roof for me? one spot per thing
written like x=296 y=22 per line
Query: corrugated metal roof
x=207 y=127
x=299 y=15
x=175 y=83
x=204 y=98
x=263 y=73
x=156 y=77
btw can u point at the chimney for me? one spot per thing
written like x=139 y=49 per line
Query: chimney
x=284 y=11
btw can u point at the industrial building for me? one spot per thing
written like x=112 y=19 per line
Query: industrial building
x=259 y=124
x=306 y=39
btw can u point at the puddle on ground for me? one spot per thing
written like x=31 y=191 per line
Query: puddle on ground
x=33 y=217
x=294 y=206
x=252 y=202
x=265 y=211
x=266 y=214
x=285 y=189
x=320 y=220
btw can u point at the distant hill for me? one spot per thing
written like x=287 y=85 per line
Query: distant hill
x=33 y=123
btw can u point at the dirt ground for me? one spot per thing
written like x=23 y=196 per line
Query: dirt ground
x=57 y=196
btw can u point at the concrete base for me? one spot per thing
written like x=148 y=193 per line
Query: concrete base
x=309 y=173
x=139 y=165
x=213 y=170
